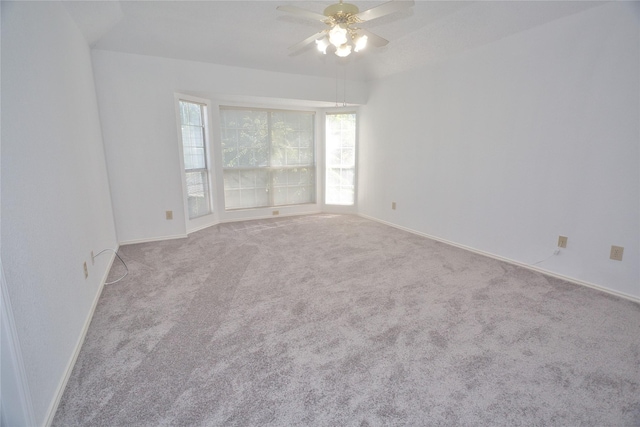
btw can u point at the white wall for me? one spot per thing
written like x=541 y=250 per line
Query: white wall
x=55 y=198
x=505 y=147
x=136 y=99
x=15 y=398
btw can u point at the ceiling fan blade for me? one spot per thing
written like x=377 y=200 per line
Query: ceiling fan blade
x=302 y=12
x=307 y=41
x=384 y=9
x=374 y=39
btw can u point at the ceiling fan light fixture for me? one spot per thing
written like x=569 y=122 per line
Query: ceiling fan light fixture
x=361 y=43
x=322 y=45
x=338 y=36
x=343 y=50
x=342 y=18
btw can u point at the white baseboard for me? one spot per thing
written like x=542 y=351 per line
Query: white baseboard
x=63 y=383
x=153 y=239
x=510 y=261
x=230 y=220
x=226 y=221
x=202 y=227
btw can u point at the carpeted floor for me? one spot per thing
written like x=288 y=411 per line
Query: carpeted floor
x=340 y=321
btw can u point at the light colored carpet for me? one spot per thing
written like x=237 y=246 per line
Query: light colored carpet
x=340 y=321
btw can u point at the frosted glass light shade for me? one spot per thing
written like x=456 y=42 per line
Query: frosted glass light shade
x=343 y=50
x=361 y=43
x=322 y=45
x=338 y=36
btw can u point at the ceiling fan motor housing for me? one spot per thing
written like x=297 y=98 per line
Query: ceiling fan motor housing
x=341 y=11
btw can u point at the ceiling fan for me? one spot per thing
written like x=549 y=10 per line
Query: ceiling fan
x=342 y=33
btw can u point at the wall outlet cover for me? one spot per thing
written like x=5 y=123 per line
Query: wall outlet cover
x=562 y=241
x=169 y=214
x=616 y=253
x=276 y=213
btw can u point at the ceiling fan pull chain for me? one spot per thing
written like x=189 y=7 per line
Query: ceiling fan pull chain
x=344 y=87
x=336 y=83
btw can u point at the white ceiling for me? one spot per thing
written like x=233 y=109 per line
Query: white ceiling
x=253 y=34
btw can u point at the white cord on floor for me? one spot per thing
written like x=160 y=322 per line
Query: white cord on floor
x=121 y=260
x=555 y=252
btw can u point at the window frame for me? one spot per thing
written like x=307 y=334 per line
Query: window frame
x=215 y=165
x=267 y=211
x=205 y=220
x=331 y=208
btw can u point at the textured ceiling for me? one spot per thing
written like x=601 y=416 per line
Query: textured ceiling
x=254 y=34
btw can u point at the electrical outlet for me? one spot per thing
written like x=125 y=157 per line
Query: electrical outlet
x=169 y=214
x=616 y=253
x=86 y=270
x=562 y=241
x=393 y=205
x=93 y=261
x=276 y=212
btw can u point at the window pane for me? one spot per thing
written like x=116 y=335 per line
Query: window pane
x=291 y=131
x=193 y=147
x=246 y=188
x=348 y=158
x=195 y=114
x=244 y=135
x=232 y=197
x=340 y=158
x=270 y=160
x=293 y=186
x=195 y=157
x=231 y=179
x=197 y=193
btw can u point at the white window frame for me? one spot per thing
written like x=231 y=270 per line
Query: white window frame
x=270 y=169
x=340 y=209
x=263 y=212
x=195 y=224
